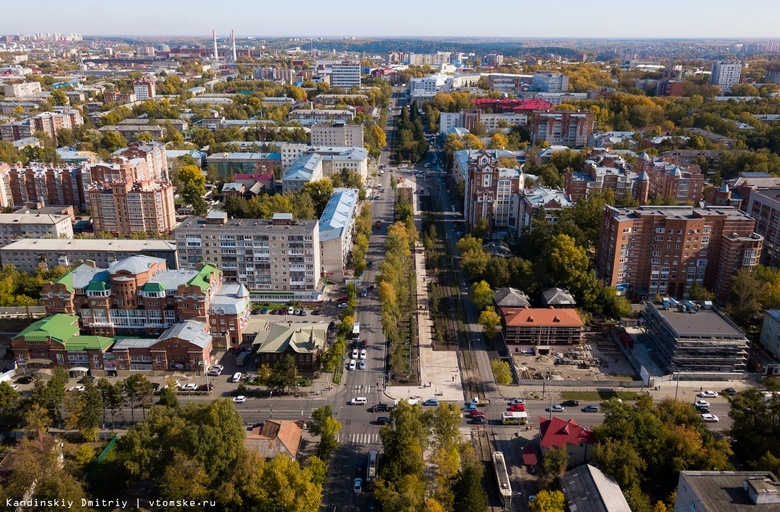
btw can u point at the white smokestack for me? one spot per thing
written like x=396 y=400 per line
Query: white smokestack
x=216 y=53
x=233 y=38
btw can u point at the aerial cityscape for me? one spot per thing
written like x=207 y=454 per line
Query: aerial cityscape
x=338 y=259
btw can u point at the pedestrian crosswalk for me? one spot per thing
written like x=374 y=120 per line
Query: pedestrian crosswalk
x=365 y=388
x=359 y=438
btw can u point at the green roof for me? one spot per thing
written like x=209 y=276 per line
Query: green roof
x=154 y=287
x=79 y=343
x=67 y=280
x=202 y=278
x=59 y=327
x=97 y=286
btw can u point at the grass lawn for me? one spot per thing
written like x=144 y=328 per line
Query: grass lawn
x=602 y=394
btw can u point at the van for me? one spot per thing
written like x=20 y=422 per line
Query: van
x=360 y=400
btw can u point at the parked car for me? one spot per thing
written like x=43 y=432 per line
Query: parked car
x=479 y=419
x=362 y=365
x=475 y=413
x=203 y=387
x=24 y=380
x=236 y=377
x=190 y=386
x=358 y=488
x=517 y=401
x=364 y=344
x=355 y=353
x=701 y=403
x=76 y=388
x=264 y=311
x=359 y=468
x=363 y=354
x=570 y=403
x=352 y=364
x=591 y=408
x=517 y=407
x=470 y=407
x=342 y=305
x=240 y=399
x=710 y=418
x=371 y=288
x=729 y=391
x=708 y=394
x=431 y=401
x=384 y=420
x=555 y=408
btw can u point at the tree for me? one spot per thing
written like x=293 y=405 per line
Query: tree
x=37 y=421
x=501 y=372
x=320 y=192
x=555 y=462
x=470 y=496
x=112 y=141
x=138 y=390
x=474 y=263
x=500 y=141
x=481 y=295
x=183 y=480
x=85 y=411
x=193 y=188
x=284 y=374
x=566 y=260
x=481 y=229
x=549 y=501
x=489 y=319
x=468 y=243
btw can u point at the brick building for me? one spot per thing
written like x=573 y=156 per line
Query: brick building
x=493 y=193
x=541 y=328
x=49 y=123
x=47 y=185
x=669 y=179
x=664 y=250
x=124 y=208
x=562 y=127
x=602 y=170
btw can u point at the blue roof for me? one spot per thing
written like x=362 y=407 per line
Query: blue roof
x=338 y=213
x=303 y=168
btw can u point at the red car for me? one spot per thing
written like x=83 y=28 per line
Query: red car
x=474 y=414
x=517 y=407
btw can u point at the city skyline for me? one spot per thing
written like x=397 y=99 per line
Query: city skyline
x=595 y=20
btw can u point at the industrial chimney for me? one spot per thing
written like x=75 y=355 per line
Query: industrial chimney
x=233 y=40
x=216 y=53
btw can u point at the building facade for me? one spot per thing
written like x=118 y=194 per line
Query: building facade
x=31 y=225
x=337 y=134
x=49 y=123
x=22 y=89
x=144 y=88
x=345 y=75
x=764 y=206
x=537 y=199
x=124 y=208
x=336 y=226
x=602 y=170
x=727 y=491
x=228 y=164
x=550 y=81
x=541 y=328
x=669 y=179
x=493 y=193
x=277 y=260
x=47 y=185
x=562 y=127
x=726 y=75
x=665 y=250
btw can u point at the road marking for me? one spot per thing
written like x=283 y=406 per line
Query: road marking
x=359 y=438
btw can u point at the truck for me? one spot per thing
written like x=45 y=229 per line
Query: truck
x=356 y=331
x=242 y=357
x=372 y=465
x=377 y=224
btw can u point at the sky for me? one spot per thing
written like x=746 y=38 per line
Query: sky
x=598 y=19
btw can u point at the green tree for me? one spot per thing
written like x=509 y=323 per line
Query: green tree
x=489 y=319
x=193 y=188
x=501 y=372
x=470 y=496
x=138 y=390
x=320 y=192
x=481 y=229
x=745 y=292
x=85 y=411
x=283 y=374
x=549 y=501
x=481 y=295
x=555 y=462
x=184 y=479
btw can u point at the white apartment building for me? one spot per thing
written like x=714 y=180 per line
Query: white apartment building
x=22 y=89
x=33 y=225
x=337 y=134
x=277 y=260
x=144 y=89
x=306 y=169
x=336 y=227
x=467 y=118
x=726 y=75
x=345 y=75
x=308 y=117
x=334 y=158
x=549 y=81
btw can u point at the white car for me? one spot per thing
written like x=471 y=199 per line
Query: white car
x=240 y=399
x=355 y=353
x=710 y=418
x=517 y=401
x=701 y=403
x=708 y=394
x=78 y=388
x=191 y=386
x=342 y=305
x=352 y=364
x=362 y=365
x=363 y=354
x=358 y=486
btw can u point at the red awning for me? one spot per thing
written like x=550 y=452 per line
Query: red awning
x=529 y=455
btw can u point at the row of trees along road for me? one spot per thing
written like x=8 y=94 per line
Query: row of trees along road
x=450 y=480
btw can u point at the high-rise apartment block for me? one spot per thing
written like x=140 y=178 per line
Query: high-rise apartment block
x=550 y=81
x=124 y=207
x=144 y=88
x=278 y=260
x=562 y=127
x=665 y=250
x=337 y=134
x=725 y=75
x=49 y=123
x=345 y=75
x=46 y=185
x=22 y=89
x=493 y=193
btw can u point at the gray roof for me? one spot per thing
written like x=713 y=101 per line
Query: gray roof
x=338 y=213
x=703 y=323
x=302 y=338
x=558 y=297
x=85 y=274
x=303 y=168
x=127 y=343
x=134 y=264
x=724 y=491
x=233 y=299
x=678 y=212
x=171 y=279
x=511 y=297
x=587 y=489
x=190 y=330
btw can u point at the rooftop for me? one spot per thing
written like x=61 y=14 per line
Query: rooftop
x=705 y=322
x=302 y=338
x=511 y=297
x=32 y=218
x=87 y=244
x=248 y=226
x=190 y=330
x=678 y=212
x=557 y=432
x=539 y=317
x=59 y=327
x=587 y=489
x=725 y=491
x=135 y=264
x=338 y=213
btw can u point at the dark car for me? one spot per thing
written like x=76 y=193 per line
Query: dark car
x=384 y=420
x=331 y=326
x=590 y=408
x=359 y=468
x=703 y=410
x=381 y=408
x=25 y=380
x=479 y=419
x=87 y=378
x=371 y=505
x=264 y=311
x=729 y=391
x=570 y=403
x=363 y=343
x=155 y=386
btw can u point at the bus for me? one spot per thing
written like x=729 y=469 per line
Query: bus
x=372 y=465
x=514 y=418
x=356 y=331
x=502 y=477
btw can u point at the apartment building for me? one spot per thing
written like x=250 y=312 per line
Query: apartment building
x=33 y=225
x=277 y=260
x=541 y=328
x=345 y=75
x=227 y=164
x=337 y=134
x=727 y=491
x=306 y=169
x=28 y=254
x=129 y=131
x=550 y=81
x=144 y=88
x=22 y=89
x=462 y=159
x=764 y=207
x=562 y=127
x=602 y=170
x=551 y=200
x=688 y=339
x=667 y=178
x=46 y=185
x=308 y=117
x=469 y=118
x=153 y=153
x=334 y=158
x=664 y=250
x=119 y=97
x=49 y=123
x=123 y=207
x=337 y=223
x=493 y=193
x=726 y=75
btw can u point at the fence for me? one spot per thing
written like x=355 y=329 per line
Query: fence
x=582 y=383
x=23 y=311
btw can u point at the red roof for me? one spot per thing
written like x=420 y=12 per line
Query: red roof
x=558 y=432
x=516 y=105
x=535 y=317
x=256 y=177
x=529 y=455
